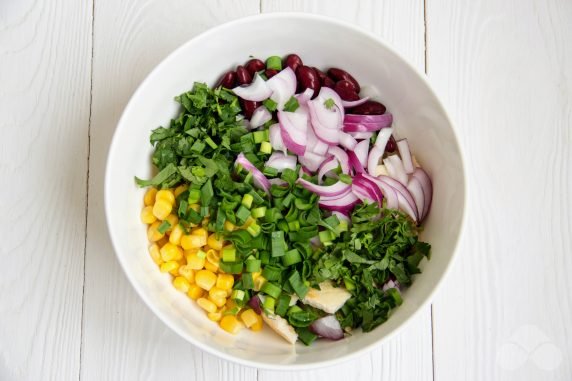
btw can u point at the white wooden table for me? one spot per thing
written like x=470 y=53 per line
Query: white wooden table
x=504 y=71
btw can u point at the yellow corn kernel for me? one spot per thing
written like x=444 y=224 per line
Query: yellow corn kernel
x=155 y=254
x=230 y=304
x=230 y=324
x=153 y=233
x=206 y=305
x=165 y=194
x=181 y=284
x=173 y=220
x=162 y=209
x=216 y=316
x=213 y=256
x=205 y=279
x=212 y=267
x=258 y=325
x=170 y=252
x=225 y=281
x=168 y=267
x=248 y=222
x=180 y=189
x=217 y=293
x=149 y=198
x=192 y=241
x=188 y=273
x=147 y=216
x=176 y=234
x=214 y=242
x=200 y=232
x=229 y=292
x=219 y=302
x=195 y=292
x=229 y=226
x=249 y=318
x=258 y=282
x=195 y=262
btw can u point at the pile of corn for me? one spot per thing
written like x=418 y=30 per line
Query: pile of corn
x=193 y=261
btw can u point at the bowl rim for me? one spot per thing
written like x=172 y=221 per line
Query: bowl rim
x=247 y=362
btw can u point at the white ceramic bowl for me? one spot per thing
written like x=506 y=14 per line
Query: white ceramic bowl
x=324 y=43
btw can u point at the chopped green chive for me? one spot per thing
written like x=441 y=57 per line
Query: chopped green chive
x=254 y=229
x=268 y=305
x=211 y=142
x=247 y=281
x=258 y=212
x=299 y=287
x=271 y=272
x=261 y=136
x=252 y=265
x=271 y=289
x=292 y=105
x=229 y=254
x=282 y=304
x=270 y=105
x=247 y=200
x=278 y=244
x=242 y=214
x=266 y=147
x=274 y=62
x=194 y=196
x=329 y=103
x=291 y=257
x=165 y=225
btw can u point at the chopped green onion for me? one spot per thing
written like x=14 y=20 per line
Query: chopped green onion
x=270 y=105
x=300 y=204
x=247 y=281
x=265 y=257
x=261 y=136
x=183 y=206
x=194 y=196
x=198 y=146
x=283 y=225
x=242 y=214
x=238 y=295
x=229 y=254
x=288 y=199
x=266 y=147
x=254 y=229
x=231 y=267
x=207 y=192
x=204 y=211
x=345 y=178
x=306 y=336
x=272 y=215
x=329 y=103
x=282 y=304
x=274 y=62
x=247 y=200
x=270 y=172
x=349 y=283
x=291 y=257
x=165 y=225
x=268 y=304
x=194 y=217
x=258 y=212
x=294 y=226
x=211 y=142
x=220 y=220
x=233 y=311
x=292 y=105
x=325 y=237
x=278 y=244
x=299 y=287
x=271 y=289
x=271 y=272
x=256 y=196
x=252 y=265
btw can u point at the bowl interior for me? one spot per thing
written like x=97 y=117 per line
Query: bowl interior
x=323 y=43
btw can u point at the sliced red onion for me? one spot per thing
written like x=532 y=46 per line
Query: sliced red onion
x=255 y=304
x=293 y=128
x=311 y=161
x=259 y=180
x=349 y=104
x=373 y=159
x=389 y=193
x=283 y=86
x=257 y=91
x=395 y=169
x=327 y=93
x=370 y=187
x=305 y=96
x=347 y=141
x=328 y=135
x=361 y=135
x=321 y=115
x=416 y=190
x=335 y=189
x=342 y=217
x=383 y=137
x=280 y=161
x=362 y=127
x=276 y=138
x=363 y=192
x=343 y=205
x=260 y=116
x=328 y=327
x=404 y=197
x=427 y=187
x=314 y=144
x=355 y=163
x=405 y=154
x=342 y=158
x=361 y=150
x=327 y=168
x=391 y=284
x=385 y=119
x=278 y=181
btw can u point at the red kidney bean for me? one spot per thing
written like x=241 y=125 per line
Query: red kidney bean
x=269 y=73
x=321 y=74
x=368 y=108
x=308 y=79
x=243 y=76
x=328 y=82
x=254 y=65
x=391 y=145
x=248 y=107
x=346 y=90
x=293 y=61
x=228 y=80
x=339 y=74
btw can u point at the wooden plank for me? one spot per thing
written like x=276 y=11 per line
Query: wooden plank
x=409 y=355
x=504 y=69
x=45 y=50
x=122 y=338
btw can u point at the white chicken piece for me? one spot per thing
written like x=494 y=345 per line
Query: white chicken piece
x=281 y=327
x=328 y=298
